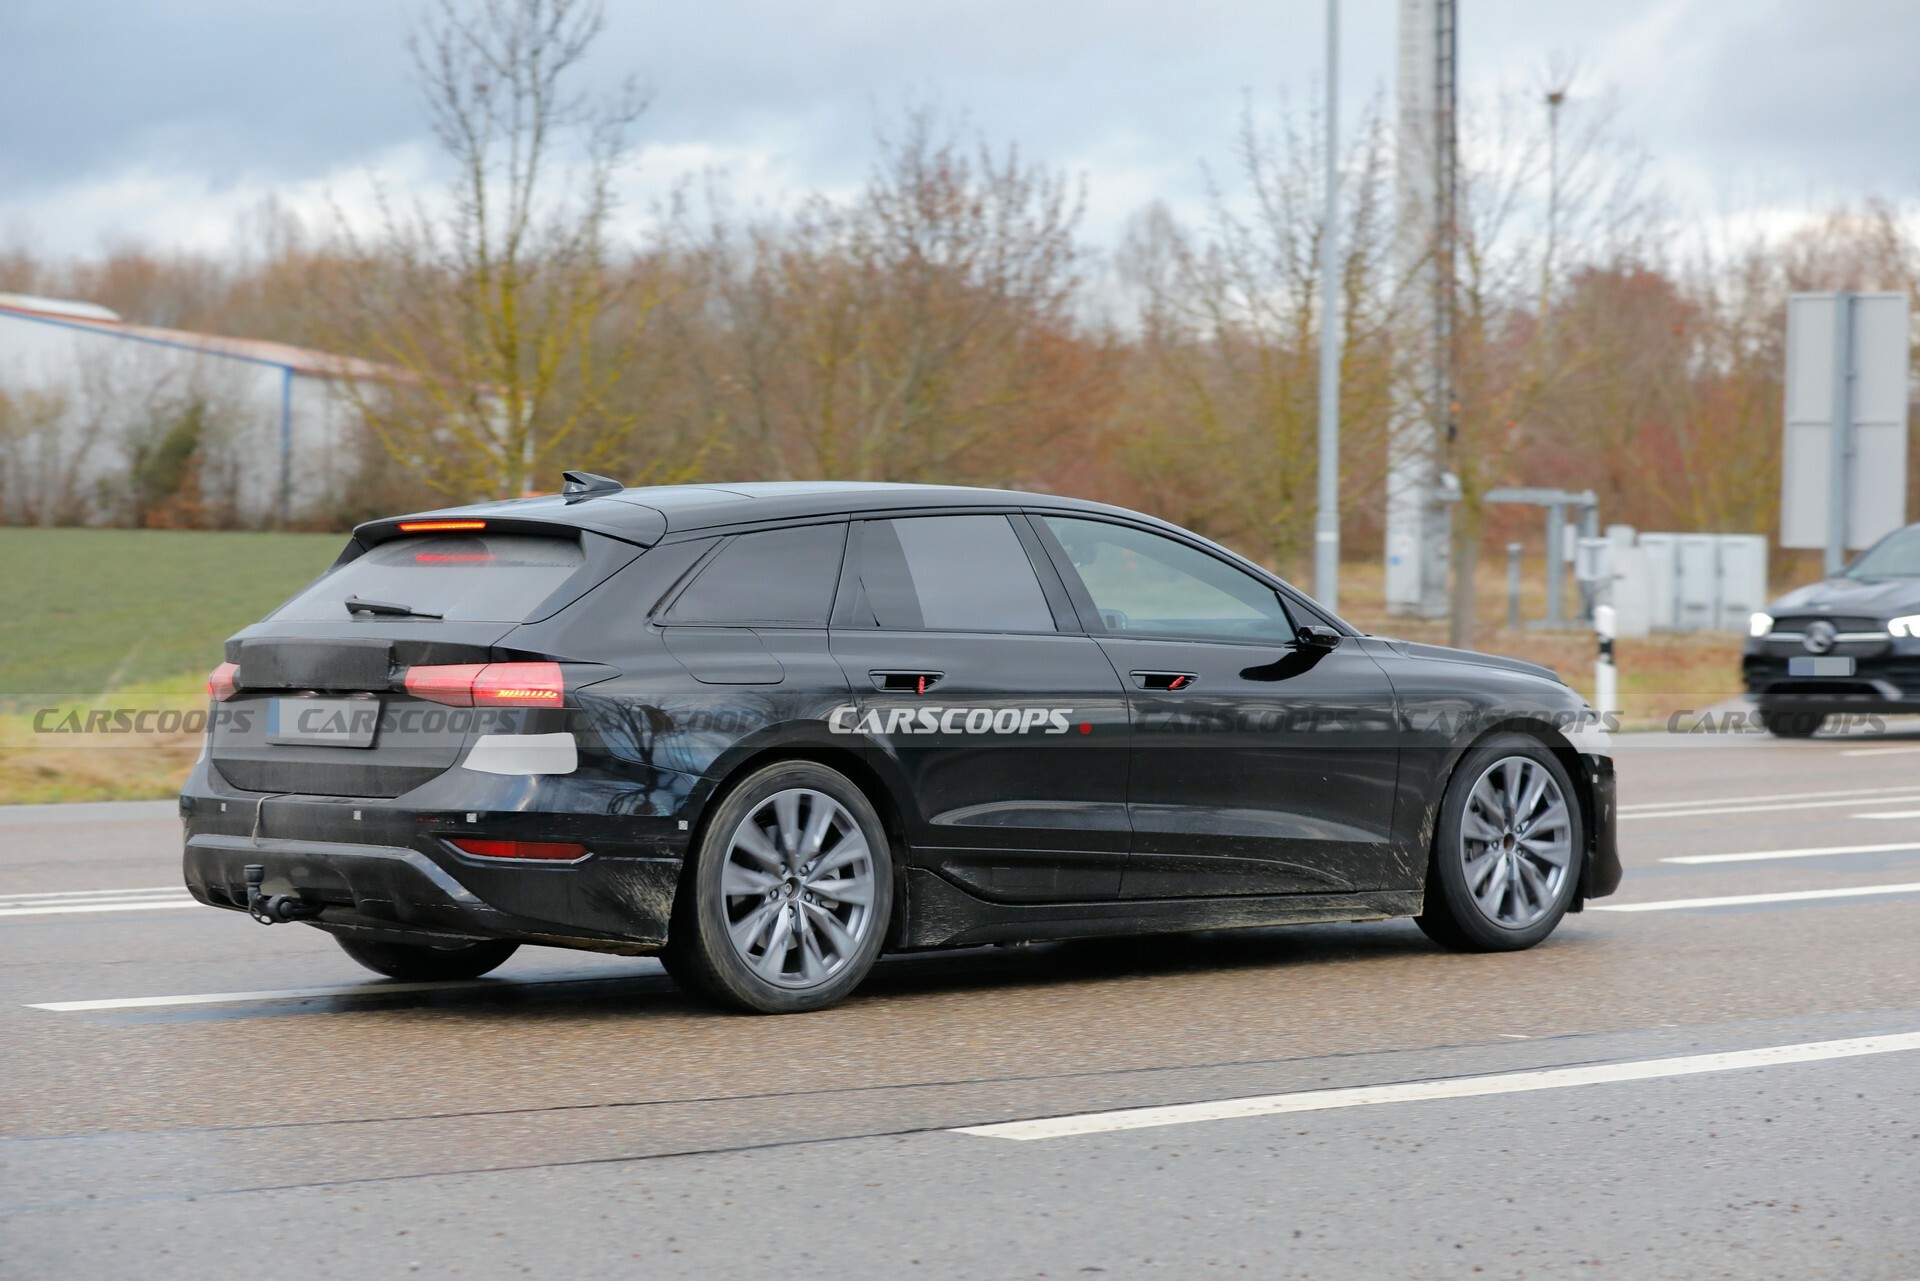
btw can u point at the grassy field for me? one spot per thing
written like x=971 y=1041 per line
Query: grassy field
x=124 y=618
x=85 y=612
x=104 y=618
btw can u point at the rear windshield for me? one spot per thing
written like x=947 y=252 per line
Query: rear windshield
x=482 y=577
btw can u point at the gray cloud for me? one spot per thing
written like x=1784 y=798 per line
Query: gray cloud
x=210 y=94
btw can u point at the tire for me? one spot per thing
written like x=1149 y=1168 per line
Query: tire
x=423 y=963
x=1537 y=857
x=787 y=895
x=1792 y=724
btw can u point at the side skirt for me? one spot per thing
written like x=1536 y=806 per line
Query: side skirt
x=940 y=914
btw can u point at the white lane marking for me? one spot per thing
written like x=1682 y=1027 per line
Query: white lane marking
x=1742 y=900
x=1879 y=751
x=1772 y=796
x=306 y=993
x=68 y=909
x=67 y=902
x=1459 y=1087
x=1890 y=814
x=286 y=994
x=1762 y=856
x=52 y=895
x=1751 y=808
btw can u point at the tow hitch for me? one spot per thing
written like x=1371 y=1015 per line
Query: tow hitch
x=277 y=908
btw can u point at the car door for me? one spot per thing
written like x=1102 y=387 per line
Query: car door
x=1260 y=764
x=1006 y=735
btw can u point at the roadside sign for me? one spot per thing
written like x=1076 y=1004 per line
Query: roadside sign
x=1844 y=490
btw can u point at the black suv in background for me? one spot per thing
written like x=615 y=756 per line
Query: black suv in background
x=767 y=730
x=1844 y=645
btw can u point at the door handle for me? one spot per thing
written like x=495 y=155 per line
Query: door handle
x=1171 y=682
x=914 y=682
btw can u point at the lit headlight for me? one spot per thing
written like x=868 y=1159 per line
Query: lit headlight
x=1761 y=624
x=1907 y=626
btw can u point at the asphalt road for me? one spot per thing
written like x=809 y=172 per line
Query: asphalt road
x=1701 y=1089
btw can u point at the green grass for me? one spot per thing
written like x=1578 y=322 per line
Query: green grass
x=85 y=612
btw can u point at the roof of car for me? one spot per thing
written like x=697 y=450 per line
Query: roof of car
x=647 y=514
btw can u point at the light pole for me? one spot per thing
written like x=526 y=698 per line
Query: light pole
x=1556 y=98
x=1326 y=525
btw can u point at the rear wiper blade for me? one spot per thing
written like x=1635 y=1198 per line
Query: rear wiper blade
x=386 y=608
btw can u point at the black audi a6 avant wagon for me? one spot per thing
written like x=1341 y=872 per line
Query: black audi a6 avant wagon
x=768 y=730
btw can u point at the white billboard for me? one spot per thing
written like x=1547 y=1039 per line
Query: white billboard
x=1868 y=336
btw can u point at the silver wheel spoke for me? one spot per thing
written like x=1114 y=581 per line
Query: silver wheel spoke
x=786 y=811
x=845 y=891
x=737 y=881
x=829 y=924
x=821 y=818
x=813 y=966
x=752 y=842
x=773 y=962
x=847 y=852
x=751 y=928
x=1476 y=828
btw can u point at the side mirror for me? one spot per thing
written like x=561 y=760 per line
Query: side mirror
x=1314 y=636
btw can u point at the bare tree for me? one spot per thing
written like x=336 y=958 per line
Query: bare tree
x=925 y=329
x=496 y=311
x=1219 y=422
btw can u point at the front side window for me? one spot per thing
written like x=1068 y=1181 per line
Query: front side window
x=1148 y=584
x=947 y=573
x=773 y=576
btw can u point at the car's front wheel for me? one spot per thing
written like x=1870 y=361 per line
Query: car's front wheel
x=1507 y=851
x=421 y=962
x=786 y=902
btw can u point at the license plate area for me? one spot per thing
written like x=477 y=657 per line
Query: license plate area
x=1828 y=665
x=323 y=722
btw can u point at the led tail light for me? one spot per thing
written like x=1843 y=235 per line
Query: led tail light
x=439 y=526
x=519 y=685
x=562 y=851
x=449 y=683
x=222 y=681
x=489 y=684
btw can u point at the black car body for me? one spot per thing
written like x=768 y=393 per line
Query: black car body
x=1849 y=644
x=1044 y=765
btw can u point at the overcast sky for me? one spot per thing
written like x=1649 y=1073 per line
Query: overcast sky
x=166 y=121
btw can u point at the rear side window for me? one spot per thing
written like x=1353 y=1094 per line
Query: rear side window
x=774 y=576
x=484 y=577
x=948 y=573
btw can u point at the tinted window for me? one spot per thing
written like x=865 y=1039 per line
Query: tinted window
x=491 y=577
x=948 y=573
x=1142 y=582
x=775 y=576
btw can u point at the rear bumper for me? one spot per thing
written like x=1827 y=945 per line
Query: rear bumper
x=386 y=867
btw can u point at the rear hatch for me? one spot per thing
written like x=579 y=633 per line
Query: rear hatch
x=320 y=705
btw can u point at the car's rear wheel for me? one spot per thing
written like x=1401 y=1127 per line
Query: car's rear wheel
x=421 y=962
x=1507 y=851
x=786 y=902
x=1792 y=724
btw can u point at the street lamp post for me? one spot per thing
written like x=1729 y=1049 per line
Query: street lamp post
x=1326 y=527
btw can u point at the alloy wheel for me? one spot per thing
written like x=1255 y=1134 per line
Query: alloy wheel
x=799 y=886
x=1516 y=842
